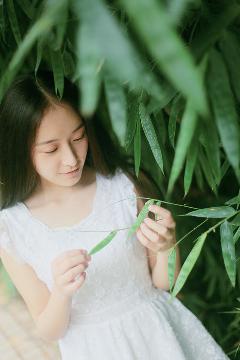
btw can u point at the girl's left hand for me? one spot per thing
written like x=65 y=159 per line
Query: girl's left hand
x=157 y=235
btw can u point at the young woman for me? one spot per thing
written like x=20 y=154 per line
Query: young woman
x=64 y=187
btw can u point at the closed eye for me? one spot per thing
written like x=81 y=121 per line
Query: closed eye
x=49 y=152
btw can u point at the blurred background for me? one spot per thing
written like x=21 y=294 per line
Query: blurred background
x=164 y=75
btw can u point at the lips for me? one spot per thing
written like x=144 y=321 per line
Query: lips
x=72 y=171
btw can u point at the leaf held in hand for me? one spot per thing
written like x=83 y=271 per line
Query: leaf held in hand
x=103 y=242
x=141 y=216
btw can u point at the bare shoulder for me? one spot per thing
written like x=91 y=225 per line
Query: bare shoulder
x=33 y=291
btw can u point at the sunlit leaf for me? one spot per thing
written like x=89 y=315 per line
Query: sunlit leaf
x=188 y=264
x=213 y=212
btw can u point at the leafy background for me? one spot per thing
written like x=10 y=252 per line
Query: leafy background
x=168 y=73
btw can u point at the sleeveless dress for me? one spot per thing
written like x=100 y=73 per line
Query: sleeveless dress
x=117 y=314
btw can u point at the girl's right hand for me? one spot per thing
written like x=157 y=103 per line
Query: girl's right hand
x=66 y=267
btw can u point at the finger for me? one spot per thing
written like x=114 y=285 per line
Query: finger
x=157 y=225
x=70 y=262
x=150 y=234
x=161 y=230
x=70 y=275
x=77 y=283
x=144 y=241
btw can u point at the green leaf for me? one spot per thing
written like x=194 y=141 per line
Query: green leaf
x=228 y=251
x=13 y=21
x=235 y=220
x=236 y=236
x=61 y=27
x=156 y=103
x=190 y=163
x=210 y=139
x=27 y=7
x=171 y=268
x=188 y=264
x=199 y=176
x=234 y=201
x=177 y=9
x=207 y=170
x=213 y=212
x=132 y=115
x=58 y=72
x=89 y=63
x=224 y=109
x=137 y=147
x=39 y=54
x=229 y=45
x=103 y=242
x=117 y=106
x=188 y=124
x=39 y=28
x=151 y=136
x=118 y=52
x=211 y=26
x=175 y=114
x=167 y=49
x=141 y=216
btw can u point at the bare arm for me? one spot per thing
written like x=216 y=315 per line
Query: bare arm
x=159 y=268
x=49 y=310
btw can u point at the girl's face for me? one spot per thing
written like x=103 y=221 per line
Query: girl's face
x=60 y=146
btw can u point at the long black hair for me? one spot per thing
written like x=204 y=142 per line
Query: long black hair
x=21 y=111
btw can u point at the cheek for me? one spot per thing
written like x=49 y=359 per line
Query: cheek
x=82 y=147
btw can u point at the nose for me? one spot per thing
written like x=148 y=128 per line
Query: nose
x=69 y=157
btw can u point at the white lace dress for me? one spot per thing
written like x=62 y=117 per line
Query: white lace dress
x=117 y=314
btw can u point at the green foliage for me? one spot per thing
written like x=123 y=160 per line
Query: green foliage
x=168 y=72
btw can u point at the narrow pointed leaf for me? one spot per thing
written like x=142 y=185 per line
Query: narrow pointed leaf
x=39 y=28
x=137 y=147
x=190 y=164
x=236 y=236
x=103 y=243
x=171 y=268
x=230 y=48
x=207 y=170
x=188 y=264
x=186 y=133
x=61 y=27
x=13 y=21
x=211 y=26
x=39 y=54
x=117 y=106
x=224 y=109
x=175 y=114
x=228 y=251
x=213 y=212
x=151 y=136
x=167 y=49
x=27 y=7
x=57 y=67
x=133 y=116
x=141 y=216
x=89 y=63
x=234 y=201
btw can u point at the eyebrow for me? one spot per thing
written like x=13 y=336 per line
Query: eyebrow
x=50 y=141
